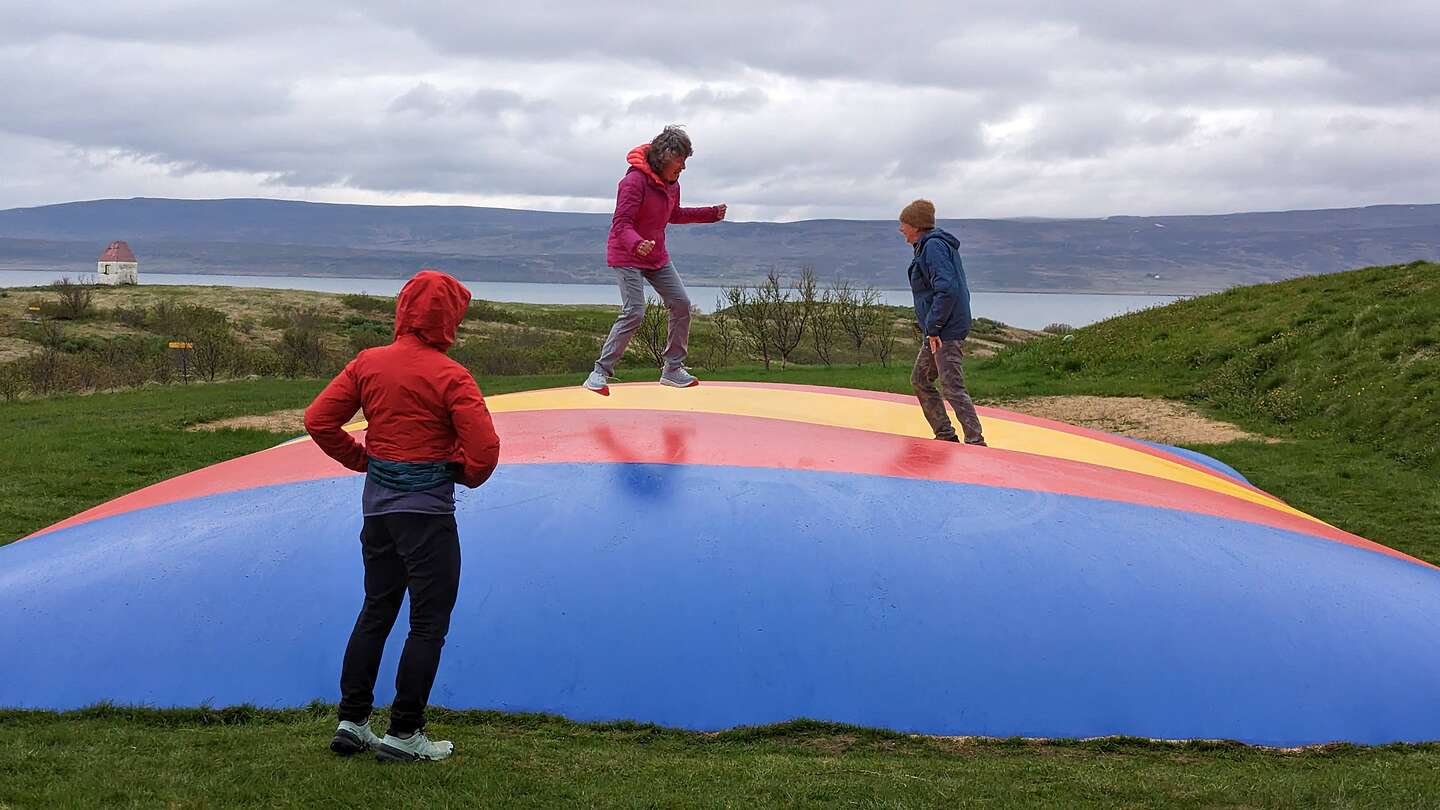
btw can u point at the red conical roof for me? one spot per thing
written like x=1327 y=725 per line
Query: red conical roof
x=118 y=252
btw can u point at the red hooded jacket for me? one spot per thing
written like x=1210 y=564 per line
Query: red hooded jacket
x=421 y=405
x=644 y=205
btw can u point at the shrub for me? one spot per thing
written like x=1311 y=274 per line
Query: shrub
x=12 y=382
x=369 y=303
x=182 y=321
x=130 y=316
x=362 y=339
x=50 y=334
x=75 y=300
x=301 y=349
x=653 y=335
x=213 y=351
x=486 y=311
x=301 y=352
x=526 y=352
x=986 y=326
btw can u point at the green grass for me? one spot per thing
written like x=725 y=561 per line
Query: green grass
x=66 y=454
x=244 y=757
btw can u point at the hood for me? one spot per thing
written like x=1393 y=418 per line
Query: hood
x=637 y=160
x=430 y=306
x=937 y=233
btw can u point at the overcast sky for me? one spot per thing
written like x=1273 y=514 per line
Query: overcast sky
x=992 y=109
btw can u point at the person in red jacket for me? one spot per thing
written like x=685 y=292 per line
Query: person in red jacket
x=428 y=429
x=647 y=200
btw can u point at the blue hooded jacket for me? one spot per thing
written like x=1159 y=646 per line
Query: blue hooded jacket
x=937 y=280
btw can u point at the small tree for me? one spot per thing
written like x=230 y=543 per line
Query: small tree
x=51 y=335
x=12 y=383
x=653 y=334
x=820 y=315
x=752 y=314
x=787 y=317
x=43 y=370
x=725 y=337
x=854 y=313
x=880 y=330
x=76 y=300
x=87 y=373
x=212 y=352
x=302 y=345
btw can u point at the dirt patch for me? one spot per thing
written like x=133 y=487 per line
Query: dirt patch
x=12 y=348
x=288 y=421
x=1155 y=420
x=987 y=344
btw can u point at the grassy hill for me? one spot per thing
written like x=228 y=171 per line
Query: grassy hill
x=1354 y=356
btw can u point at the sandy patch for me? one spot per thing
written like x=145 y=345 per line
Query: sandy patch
x=289 y=421
x=1156 y=420
x=13 y=348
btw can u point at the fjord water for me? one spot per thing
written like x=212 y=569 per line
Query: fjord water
x=1028 y=310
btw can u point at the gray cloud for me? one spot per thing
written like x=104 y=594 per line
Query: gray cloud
x=840 y=109
x=700 y=99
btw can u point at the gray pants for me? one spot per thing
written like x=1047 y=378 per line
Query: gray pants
x=947 y=368
x=666 y=282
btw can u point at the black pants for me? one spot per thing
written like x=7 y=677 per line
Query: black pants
x=402 y=550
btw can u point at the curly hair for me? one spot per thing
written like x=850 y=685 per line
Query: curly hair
x=670 y=144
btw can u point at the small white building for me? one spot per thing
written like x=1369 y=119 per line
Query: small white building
x=117 y=265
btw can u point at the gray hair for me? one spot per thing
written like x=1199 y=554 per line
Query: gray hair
x=672 y=143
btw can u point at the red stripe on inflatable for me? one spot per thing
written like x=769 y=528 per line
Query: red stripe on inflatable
x=1012 y=416
x=277 y=465
x=669 y=437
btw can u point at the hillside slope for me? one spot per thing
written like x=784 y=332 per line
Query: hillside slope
x=1352 y=356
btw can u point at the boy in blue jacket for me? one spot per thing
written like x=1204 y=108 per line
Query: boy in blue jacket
x=942 y=309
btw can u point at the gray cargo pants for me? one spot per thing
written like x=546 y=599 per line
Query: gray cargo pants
x=666 y=282
x=946 y=366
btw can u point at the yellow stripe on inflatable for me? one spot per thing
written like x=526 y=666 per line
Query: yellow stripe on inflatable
x=878 y=415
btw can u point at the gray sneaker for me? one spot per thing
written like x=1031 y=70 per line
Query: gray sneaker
x=598 y=383
x=678 y=378
x=352 y=738
x=412 y=749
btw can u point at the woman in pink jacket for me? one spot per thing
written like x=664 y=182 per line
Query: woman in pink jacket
x=648 y=200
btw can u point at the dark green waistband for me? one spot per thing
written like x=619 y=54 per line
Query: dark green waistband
x=408 y=476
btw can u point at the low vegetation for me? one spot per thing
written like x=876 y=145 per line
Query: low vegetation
x=74 y=338
x=1352 y=356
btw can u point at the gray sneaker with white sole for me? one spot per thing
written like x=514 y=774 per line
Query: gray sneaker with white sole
x=599 y=383
x=353 y=738
x=414 y=748
x=678 y=378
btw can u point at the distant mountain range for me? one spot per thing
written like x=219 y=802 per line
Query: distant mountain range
x=1121 y=254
